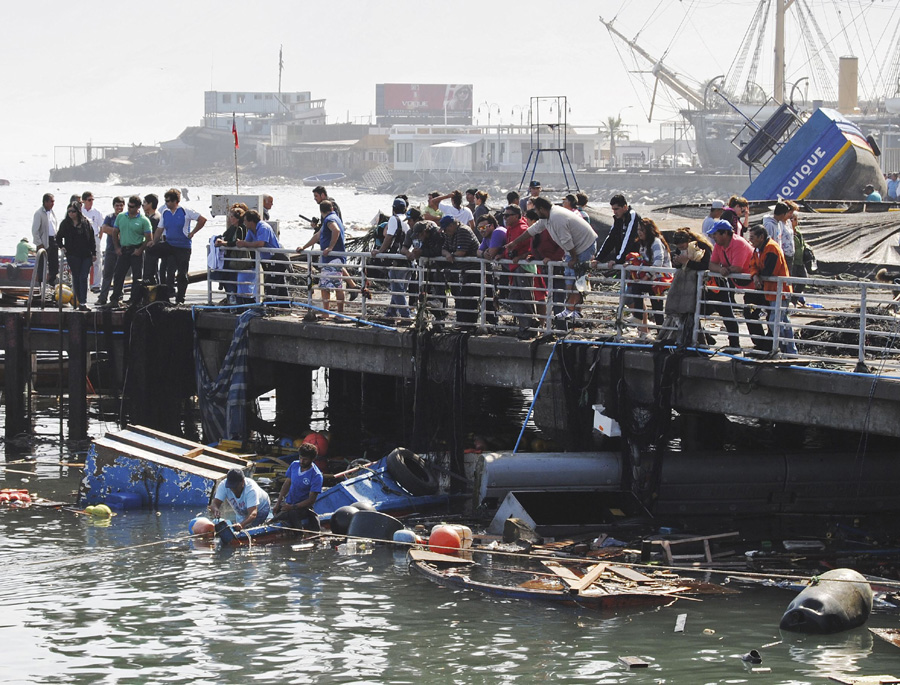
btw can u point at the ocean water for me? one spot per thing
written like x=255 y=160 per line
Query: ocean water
x=28 y=183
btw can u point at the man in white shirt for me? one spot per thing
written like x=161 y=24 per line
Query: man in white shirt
x=250 y=502
x=95 y=216
x=43 y=231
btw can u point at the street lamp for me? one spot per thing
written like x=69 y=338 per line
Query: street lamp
x=521 y=109
x=490 y=107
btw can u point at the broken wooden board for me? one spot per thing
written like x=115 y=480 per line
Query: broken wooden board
x=891 y=635
x=630 y=574
x=565 y=573
x=679 y=623
x=633 y=662
x=864 y=680
x=436 y=558
x=589 y=578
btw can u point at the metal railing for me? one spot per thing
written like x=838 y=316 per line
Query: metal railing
x=845 y=322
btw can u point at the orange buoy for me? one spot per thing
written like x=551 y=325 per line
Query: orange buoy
x=320 y=441
x=444 y=540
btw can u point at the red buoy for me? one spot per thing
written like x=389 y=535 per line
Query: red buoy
x=444 y=540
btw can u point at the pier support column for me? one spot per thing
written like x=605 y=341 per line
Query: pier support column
x=15 y=372
x=293 y=397
x=344 y=408
x=77 y=324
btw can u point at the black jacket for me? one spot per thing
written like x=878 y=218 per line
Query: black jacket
x=621 y=239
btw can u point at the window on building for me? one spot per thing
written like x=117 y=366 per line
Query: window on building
x=404 y=153
x=226 y=98
x=240 y=98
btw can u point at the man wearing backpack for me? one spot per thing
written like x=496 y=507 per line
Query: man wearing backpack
x=398 y=274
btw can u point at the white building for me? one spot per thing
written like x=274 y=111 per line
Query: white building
x=487 y=148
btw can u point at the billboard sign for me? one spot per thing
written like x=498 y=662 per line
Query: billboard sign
x=423 y=103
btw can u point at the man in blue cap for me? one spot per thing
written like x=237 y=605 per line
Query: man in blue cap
x=249 y=501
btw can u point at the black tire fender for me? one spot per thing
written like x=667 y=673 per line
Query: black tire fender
x=411 y=472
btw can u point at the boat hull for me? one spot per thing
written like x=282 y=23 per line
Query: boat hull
x=607 y=602
x=159 y=469
x=377 y=487
x=828 y=158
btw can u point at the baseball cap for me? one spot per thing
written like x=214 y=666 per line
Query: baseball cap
x=717 y=204
x=399 y=205
x=234 y=478
x=720 y=225
x=446 y=221
x=534 y=184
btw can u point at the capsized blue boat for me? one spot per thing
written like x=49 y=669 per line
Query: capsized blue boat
x=375 y=486
x=828 y=158
x=154 y=468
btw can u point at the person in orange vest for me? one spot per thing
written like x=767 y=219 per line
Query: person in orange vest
x=768 y=262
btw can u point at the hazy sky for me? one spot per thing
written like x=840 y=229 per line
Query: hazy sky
x=121 y=72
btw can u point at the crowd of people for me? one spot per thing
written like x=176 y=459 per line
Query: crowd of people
x=154 y=246
x=448 y=235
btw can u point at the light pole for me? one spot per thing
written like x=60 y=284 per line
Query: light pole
x=490 y=107
x=521 y=109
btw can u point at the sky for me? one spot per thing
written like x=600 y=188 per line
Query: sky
x=115 y=72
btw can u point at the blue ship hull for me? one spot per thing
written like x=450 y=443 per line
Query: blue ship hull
x=828 y=158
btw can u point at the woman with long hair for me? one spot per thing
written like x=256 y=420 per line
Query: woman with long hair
x=654 y=251
x=76 y=239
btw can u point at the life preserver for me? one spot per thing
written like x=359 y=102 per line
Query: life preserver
x=411 y=472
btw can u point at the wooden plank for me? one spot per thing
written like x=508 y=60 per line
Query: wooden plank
x=863 y=680
x=630 y=574
x=679 y=623
x=565 y=573
x=891 y=635
x=590 y=577
x=633 y=662
x=434 y=557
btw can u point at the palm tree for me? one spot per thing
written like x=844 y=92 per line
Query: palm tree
x=615 y=130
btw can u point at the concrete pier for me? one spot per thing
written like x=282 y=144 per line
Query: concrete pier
x=769 y=390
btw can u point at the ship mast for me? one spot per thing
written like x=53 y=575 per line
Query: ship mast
x=659 y=70
x=781 y=7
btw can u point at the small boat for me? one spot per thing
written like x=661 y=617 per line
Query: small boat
x=322 y=179
x=601 y=586
x=12 y=274
x=401 y=482
x=260 y=535
x=142 y=467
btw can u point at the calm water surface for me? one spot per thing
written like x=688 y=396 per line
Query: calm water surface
x=135 y=601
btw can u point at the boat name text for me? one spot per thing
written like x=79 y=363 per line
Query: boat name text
x=805 y=171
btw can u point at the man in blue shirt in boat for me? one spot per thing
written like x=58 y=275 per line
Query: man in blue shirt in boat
x=302 y=485
x=249 y=501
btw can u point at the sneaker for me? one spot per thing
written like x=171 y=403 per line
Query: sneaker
x=95 y=289
x=83 y=308
x=564 y=314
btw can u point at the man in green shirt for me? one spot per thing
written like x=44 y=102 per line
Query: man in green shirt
x=133 y=230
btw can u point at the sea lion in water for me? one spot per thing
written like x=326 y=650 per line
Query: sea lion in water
x=837 y=600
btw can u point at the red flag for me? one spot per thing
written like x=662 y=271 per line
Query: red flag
x=234 y=132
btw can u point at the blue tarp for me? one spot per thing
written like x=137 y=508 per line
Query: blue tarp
x=222 y=399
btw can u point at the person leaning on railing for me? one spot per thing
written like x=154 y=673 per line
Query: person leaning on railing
x=730 y=256
x=768 y=262
x=424 y=239
x=690 y=254
x=460 y=241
